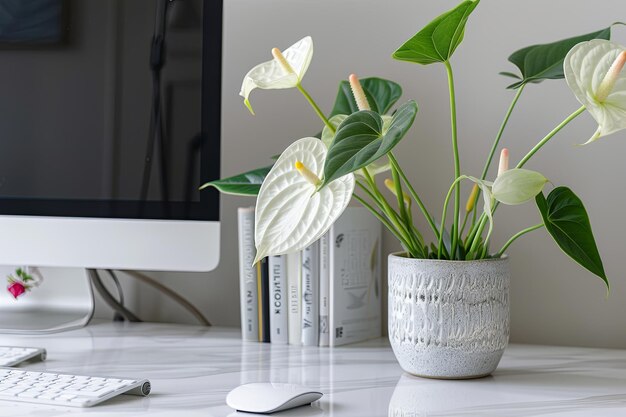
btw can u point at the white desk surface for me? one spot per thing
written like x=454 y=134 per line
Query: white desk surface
x=193 y=368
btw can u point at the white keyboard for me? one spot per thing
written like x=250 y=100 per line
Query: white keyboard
x=14 y=355
x=63 y=389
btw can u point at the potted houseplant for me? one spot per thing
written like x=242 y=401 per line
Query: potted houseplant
x=448 y=299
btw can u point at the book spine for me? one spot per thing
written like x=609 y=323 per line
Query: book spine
x=294 y=320
x=263 y=286
x=278 y=304
x=324 y=290
x=247 y=275
x=310 y=295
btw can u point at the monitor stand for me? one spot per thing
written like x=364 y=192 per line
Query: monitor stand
x=63 y=301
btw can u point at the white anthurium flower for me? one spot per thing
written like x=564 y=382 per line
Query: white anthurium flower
x=377 y=167
x=291 y=213
x=517 y=186
x=286 y=70
x=593 y=71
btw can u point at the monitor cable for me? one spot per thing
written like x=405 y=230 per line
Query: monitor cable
x=120 y=294
x=170 y=293
x=108 y=297
x=117 y=305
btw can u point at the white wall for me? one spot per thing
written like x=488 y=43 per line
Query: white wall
x=553 y=300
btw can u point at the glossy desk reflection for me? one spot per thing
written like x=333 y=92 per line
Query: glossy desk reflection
x=193 y=368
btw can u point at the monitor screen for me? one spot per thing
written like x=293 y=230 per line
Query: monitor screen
x=110 y=109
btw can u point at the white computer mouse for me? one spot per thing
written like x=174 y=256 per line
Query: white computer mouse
x=269 y=397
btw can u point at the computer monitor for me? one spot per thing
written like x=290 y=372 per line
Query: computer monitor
x=109 y=123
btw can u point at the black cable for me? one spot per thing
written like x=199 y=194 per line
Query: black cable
x=120 y=295
x=109 y=299
x=120 y=292
x=126 y=314
x=171 y=293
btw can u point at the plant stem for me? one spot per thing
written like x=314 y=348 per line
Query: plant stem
x=316 y=108
x=399 y=194
x=496 y=142
x=457 y=165
x=443 y=218
x=414 y=195
x=384 y=221
x=404 y=213
x=515 y=236
x=549 y=136
x=386 y=208
x=464 y=223
x=482 y=221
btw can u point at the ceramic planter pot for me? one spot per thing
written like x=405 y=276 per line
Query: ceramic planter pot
x=448 y=319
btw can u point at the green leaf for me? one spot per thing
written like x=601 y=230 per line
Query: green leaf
x=248 y=183
x=361 y=140
x=381 y=95
x=543 y=62
x=567 y=222
x=439 y=39
x=509 y=74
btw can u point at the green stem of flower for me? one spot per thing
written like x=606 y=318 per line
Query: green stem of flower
x=313 y=104
x=443 y=217
x=382 y=203
x=464 y=224
x=383 y=220
x=414 y=195
x=457 y=164
x=515 y=236
x=404 y=210
x=549 y=136
x=496 y=142
x=479 y=231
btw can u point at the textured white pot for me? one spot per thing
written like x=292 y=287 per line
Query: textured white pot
x=448 y=319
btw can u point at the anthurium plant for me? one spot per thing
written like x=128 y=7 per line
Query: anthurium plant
x=312 y=181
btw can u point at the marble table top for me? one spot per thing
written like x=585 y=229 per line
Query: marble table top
x=193 y=368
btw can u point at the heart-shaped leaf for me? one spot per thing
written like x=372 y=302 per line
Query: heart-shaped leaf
x=362 y=139
x=248 y=183
x=377 y=167
x=543 y=62
x=381 y=95
x=567 y=222
x=439 y=39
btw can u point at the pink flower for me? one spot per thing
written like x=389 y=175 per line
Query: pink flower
x=16 y=289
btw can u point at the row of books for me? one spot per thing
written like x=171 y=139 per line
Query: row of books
x=329 y=294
